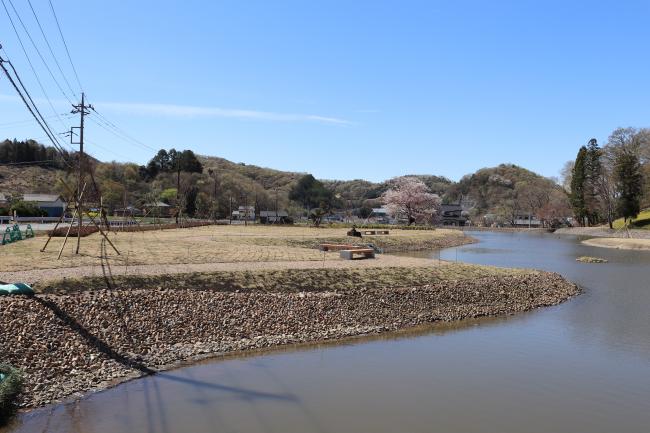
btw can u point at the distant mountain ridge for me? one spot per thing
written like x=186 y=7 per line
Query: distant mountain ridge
x=485 y=190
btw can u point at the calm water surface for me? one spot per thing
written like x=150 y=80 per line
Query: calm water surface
x=583 y=366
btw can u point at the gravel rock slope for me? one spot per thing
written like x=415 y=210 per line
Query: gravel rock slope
x=68 y=344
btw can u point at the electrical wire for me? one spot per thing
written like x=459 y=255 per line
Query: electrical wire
x=92 y=143
x=42 y=123
x=65 y=45
x=28 y=121
x=33 y=103
x=31 y=65
x=121 y=135
x=49 y=47
x=121 y=131
x=20 y=20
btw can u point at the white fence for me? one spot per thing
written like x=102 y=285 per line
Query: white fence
x=42 y=220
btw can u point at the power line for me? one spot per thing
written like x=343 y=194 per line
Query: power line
x=65 y=45
x=20 y=20
x=28 y=96
x=33 y=103
x=50 y=48
x=118 y=132
x=121 y=131
x=92 y=143
x=27 y=121
x=41 y=122
x=13 y=83
x=31 y=65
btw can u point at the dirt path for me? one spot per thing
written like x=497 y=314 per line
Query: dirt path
x=43 y=275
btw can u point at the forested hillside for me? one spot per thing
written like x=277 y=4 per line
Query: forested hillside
x=213 y=186
x=506 y=191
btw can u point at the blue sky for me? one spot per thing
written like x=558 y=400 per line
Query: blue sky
x=344 y=89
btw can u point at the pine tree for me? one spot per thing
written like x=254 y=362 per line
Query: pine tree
x=578 y=180
x=592 y=190
x=629 y=184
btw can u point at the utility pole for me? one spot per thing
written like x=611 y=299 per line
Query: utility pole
x=276 y=206
x=214 y=197
x=245 y=197
x=178 y=188
x=230 y=211
x=81 y=109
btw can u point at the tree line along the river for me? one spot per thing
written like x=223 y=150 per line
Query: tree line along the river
x=610 y=182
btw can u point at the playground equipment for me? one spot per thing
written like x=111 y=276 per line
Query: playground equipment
x=13 y=234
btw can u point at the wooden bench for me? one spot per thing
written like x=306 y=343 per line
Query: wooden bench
x=375 y=232
x=366 y=253
x=338 y=247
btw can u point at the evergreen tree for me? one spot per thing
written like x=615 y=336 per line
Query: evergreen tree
x=593 y=173
x=172 y=161
x=311 y=193
x=189 y=162
x=629 y=184
x=578 y=180
x=190 y=201
x=30 y=152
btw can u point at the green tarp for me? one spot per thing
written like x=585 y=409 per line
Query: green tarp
x=15 y=289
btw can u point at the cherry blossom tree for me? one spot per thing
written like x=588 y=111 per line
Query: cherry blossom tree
x=409 y=197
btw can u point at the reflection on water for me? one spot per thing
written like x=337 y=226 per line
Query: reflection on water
x=583 y=366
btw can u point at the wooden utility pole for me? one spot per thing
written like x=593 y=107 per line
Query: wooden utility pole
x=230 y=210
x=213 y=173
x=276 y=206
x=178 y=188
x=82 y=110
x=245 y=197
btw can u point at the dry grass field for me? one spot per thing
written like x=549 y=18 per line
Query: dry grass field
x=290 y=280
x=237 y=247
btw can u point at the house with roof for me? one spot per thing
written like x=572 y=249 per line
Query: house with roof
x=274 y=217
x=244 y=213
x=452 y=215
x=524 y=220
x=127 y=211
x=158 y=208
x=53 y=204
x=381 y=215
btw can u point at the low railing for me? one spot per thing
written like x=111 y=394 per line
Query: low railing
x=5 y=219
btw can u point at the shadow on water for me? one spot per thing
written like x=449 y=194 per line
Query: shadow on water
x=240 y=393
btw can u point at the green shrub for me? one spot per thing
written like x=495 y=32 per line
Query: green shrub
x=27 y=209
x=11 y=384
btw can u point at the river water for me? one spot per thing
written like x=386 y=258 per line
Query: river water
x=583 y=366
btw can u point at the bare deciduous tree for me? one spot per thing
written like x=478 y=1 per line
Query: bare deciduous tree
x=566 y=174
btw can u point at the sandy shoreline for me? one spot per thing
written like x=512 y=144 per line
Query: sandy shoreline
x=619 y=243
x=90 y=340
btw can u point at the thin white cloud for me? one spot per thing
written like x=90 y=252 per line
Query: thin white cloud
x=189 y=111
x=172 y=110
